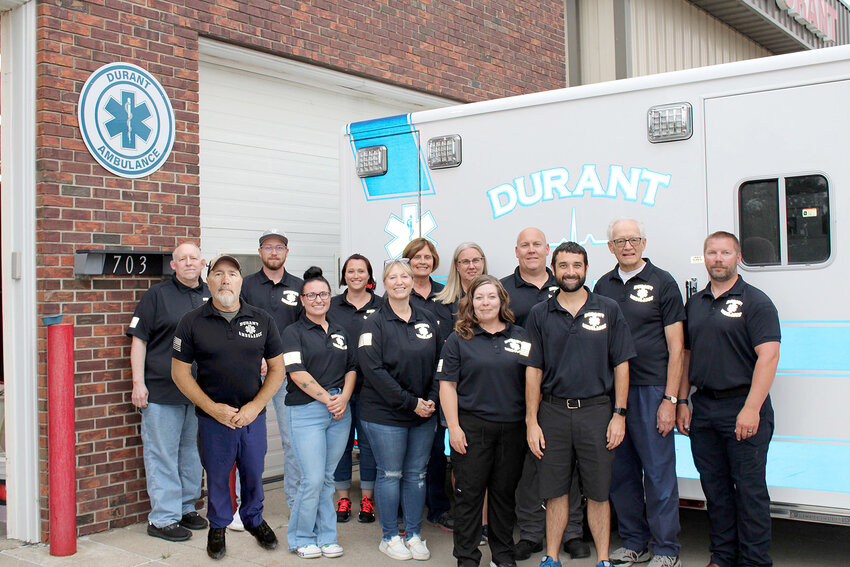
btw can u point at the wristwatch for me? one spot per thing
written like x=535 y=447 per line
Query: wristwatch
x=621 y=411
x=682 y=402
x=673 y=399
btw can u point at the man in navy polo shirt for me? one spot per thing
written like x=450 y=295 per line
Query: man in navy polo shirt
x=169 y=426
x=277 y=292
x=228 y=339
x=644 y=488
x=732 y=350
x=531 y=283
x=580 y=348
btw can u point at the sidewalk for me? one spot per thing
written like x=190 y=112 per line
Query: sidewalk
x=794 y=544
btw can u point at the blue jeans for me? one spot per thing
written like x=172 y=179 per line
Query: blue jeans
x=368 y=472
x=318 y=441
x=401 y=454
x=172 y=466
x=220 y=447
x=291 y=470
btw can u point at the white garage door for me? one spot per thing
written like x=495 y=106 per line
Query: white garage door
x=270 y=132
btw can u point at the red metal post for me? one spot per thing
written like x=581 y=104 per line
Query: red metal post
x=61 y=458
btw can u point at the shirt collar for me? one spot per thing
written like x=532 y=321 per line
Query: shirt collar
x=184 y=288
x=477 y=330
x=737 y=289
x=591 y=303
x=643 y=275
x=519 y=282
x=209 y=310
x=285 y=281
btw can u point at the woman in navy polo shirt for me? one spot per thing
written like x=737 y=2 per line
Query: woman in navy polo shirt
x=482 y=393
x=468 y=261
x=397 y=353
x=423 y=261
x=350 y=309
x=320 y=370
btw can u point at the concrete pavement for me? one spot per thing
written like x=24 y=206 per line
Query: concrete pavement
x=794 y=544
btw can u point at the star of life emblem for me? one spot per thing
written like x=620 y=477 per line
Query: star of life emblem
x=733 y=308
x=642 y=293
x=593 y=321
x=406 y=227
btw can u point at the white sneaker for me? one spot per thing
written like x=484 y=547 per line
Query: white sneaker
x=236 y=524
x=417 y=547
x=625 y=557
x=395 y=549
x=309 y=551
x=332 y=550
x=665 y=561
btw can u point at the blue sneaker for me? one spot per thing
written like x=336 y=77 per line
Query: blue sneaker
x=547 y=561
x=604 y=564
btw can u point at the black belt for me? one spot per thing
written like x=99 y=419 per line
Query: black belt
x=723 y=394
x=576 y=403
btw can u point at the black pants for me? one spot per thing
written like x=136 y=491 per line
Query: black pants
x=493 y=462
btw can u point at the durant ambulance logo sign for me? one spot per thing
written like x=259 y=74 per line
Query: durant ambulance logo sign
x=126 y=120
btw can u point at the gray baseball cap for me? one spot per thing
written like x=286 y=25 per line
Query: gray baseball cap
x=221 y=257
x=274 y=233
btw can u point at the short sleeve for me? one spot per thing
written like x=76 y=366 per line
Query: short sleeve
x=183 y=344
x=273 y=342
x=533 y=326
x=672 y=307
x=143 y=317
x=448 y=367
x=293 y=357
x=621 y=346
x=763 y=322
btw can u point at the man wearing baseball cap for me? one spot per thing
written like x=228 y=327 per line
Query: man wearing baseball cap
x=228 y=339
x=276 y=291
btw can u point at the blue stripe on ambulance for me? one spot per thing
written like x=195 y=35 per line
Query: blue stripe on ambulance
x=407 y=170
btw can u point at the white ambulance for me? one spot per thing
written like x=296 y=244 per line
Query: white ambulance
x=760 y=148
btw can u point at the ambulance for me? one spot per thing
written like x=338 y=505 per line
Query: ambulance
x=760 y=148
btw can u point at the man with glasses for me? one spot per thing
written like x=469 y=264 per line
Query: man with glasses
x=228 y=339
x=531 y=283
x=644 y=489
x=276 y=291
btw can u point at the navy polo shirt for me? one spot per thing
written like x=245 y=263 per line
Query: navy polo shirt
x=427 y=302
x=649 y=301
x=326 y=356
x=154 y=322
x=578 y=355
x=228 y=353
x=351 y=319
x=398 y=360
x=488 y=371
x=526 y=295
x=446 y=314
x=281 y=300
x=722 y=334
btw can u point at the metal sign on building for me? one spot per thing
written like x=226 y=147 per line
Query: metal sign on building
x=126 y=120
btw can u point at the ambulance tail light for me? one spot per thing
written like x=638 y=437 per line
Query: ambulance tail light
x=371 y=161
x=444 y=151
x=670 y=122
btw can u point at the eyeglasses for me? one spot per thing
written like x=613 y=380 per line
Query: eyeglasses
x=621 y=242
x=270 y=248
x=313 y=296
x=390 y=262
x=473 y=261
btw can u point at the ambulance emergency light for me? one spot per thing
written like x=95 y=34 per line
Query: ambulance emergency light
x=444 y=151
x=670 y=122
x=371 y=161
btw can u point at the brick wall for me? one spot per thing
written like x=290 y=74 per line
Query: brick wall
x=462 y=50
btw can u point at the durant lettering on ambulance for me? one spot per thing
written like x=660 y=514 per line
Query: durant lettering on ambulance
x=545 y=185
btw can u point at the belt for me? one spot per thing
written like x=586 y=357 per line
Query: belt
x=576 y=403
x=724 y=394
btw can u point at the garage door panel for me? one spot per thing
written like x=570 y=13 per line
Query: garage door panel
x=269 y=157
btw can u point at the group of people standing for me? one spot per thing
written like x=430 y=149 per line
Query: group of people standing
x=587 y=384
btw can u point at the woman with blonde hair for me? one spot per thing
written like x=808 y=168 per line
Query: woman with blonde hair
x=468 y=261
x=482 y=392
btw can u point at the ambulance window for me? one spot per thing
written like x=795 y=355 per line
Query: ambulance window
x=759 y=218
x=806 y=238
x=807 y=212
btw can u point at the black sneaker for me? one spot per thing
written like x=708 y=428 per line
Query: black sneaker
x=445 y=522
x=171 y=532
x=577 y=548
x=216 y=546
x=264 y=535
x=343 y=510
x=193 y=521
x=367 y=511
x=525 y=547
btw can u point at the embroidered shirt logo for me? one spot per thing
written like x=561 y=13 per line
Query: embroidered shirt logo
x=423 y=330
x=642 y=293
x=290 y=297
x=338 y=341
x=516 y=346
x=733 y=308
x=249 y=330
x=594 y=321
